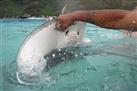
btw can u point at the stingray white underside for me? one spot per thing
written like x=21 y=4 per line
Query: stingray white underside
x=30 y=59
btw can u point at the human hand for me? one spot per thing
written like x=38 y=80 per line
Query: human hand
x=64 y=21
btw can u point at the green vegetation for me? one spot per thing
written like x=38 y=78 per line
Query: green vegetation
x=15 y=8
x=109 y=4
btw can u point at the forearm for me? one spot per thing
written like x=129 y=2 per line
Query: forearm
x=86 y=16
x=103 y=18
x=109 y=18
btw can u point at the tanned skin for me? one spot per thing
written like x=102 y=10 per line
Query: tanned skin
x=108 y=18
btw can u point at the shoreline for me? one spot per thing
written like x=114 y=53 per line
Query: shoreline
x=29 y=18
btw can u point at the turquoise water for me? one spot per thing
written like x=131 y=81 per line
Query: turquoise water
x=108 y=64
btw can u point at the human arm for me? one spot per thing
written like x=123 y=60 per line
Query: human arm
x=116 y=19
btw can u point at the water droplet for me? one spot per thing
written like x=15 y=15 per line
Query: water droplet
x=59 y=50
x=71 y=52
x=63 y=58
x=76 y=55
x=81 y=54
x=47 y=58
x=53 y=55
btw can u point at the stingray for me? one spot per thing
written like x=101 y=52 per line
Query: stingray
x=42 y=41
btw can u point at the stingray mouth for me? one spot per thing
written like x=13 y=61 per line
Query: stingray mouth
x=72 y=33
x=73 y=38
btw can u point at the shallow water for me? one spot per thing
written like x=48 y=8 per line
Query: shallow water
x=108 y=64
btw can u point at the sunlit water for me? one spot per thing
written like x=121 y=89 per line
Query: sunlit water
x=108 y=64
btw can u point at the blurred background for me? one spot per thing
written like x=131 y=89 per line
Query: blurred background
x=15 y=8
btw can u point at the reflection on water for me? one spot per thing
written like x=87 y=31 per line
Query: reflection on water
x=109 y=64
